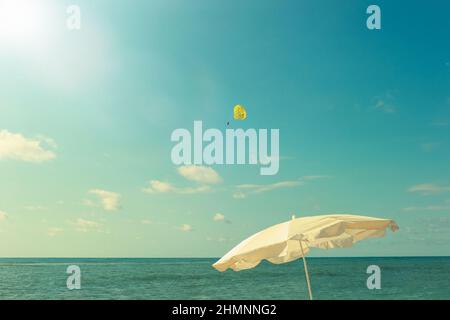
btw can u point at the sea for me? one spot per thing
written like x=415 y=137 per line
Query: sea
x=186 y=278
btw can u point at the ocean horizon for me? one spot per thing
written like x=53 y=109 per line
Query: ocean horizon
x=424 y=277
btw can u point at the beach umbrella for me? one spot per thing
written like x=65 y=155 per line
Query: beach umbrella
x=293 y=239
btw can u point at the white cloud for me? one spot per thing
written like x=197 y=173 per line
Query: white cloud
x=3 y=215
x=34 y=208
x=239 y=195
x=244 y=189
x=428 y=188
x=157 y=186
x=204 y=176
x=83 y=225
x=218 y=239
x=185 y=228
x=110 y=201
x=432 y=229
x=89 y=203
x=200 y=174
x=384 y=106
x=316 y=177
x=15 y=146
x=189 y=190
x=384 y=103
x=145 y=221
x=219 y=217
x=53 y=232
x=428 y=208
x=49 y=141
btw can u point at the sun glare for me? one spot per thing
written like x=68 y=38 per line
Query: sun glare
x=22 y=21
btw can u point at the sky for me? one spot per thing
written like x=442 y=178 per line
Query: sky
x=86 y=118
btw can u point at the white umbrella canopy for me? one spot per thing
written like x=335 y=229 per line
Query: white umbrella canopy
x=293 y=239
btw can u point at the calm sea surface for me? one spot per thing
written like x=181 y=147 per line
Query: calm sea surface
x=332 y=278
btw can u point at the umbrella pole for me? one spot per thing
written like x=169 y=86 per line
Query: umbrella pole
x=306 y=272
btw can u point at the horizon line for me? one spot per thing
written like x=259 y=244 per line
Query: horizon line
x=209 y=257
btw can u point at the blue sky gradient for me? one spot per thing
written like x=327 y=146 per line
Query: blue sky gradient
x=367 y=111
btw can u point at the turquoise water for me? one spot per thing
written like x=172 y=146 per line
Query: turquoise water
x=332 y=278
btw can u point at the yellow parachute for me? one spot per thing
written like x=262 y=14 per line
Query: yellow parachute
x=239 y=112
